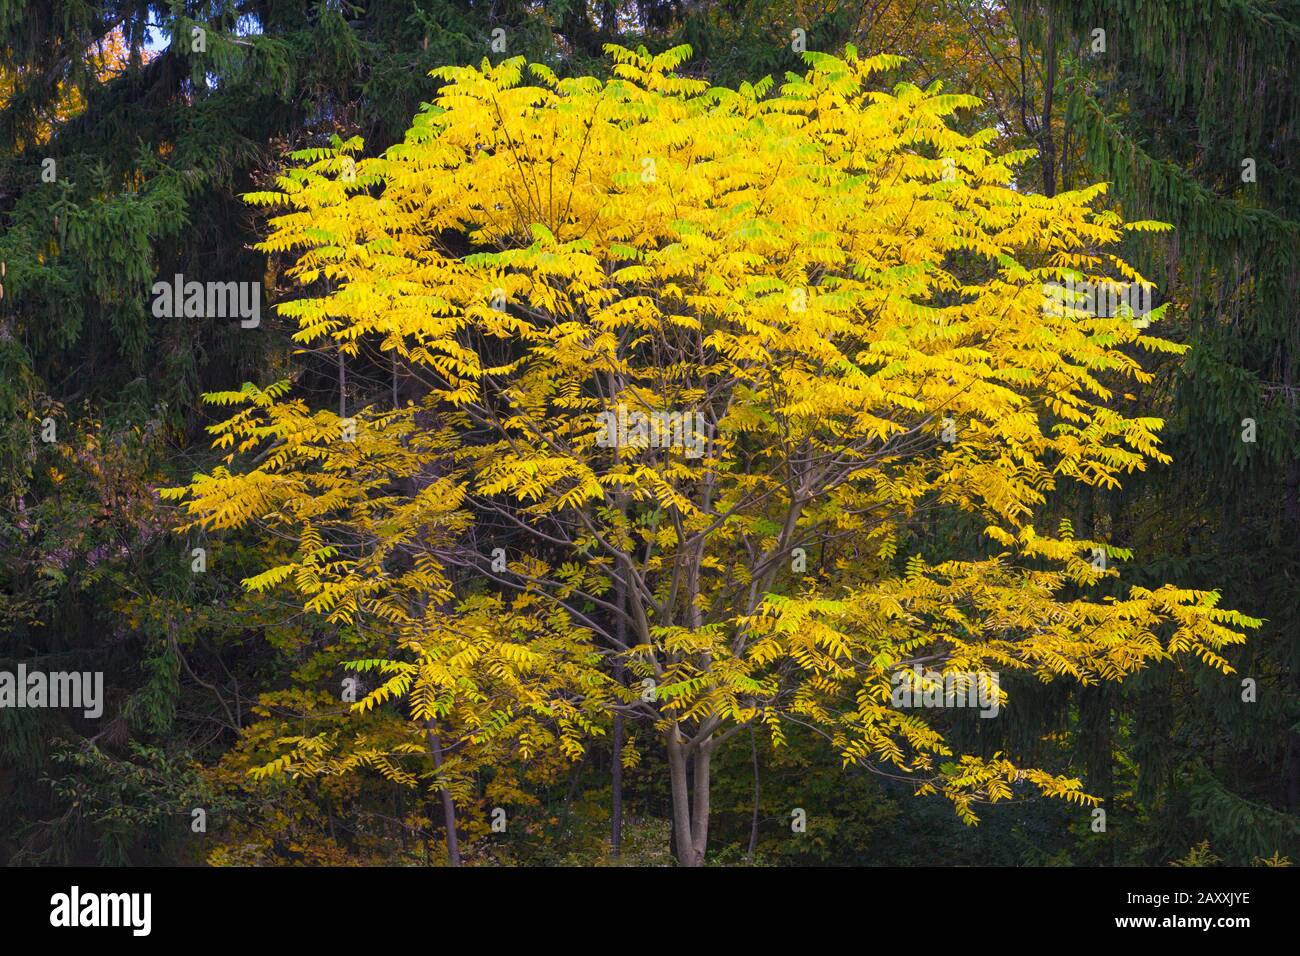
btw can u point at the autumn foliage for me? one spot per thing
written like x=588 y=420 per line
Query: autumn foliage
x=838 y=291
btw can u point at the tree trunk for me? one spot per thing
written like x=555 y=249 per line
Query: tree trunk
x=1046 y=141
x=700 y=812
x=616 y=784
x=753 y=823
x=616 y=769
x=682 y=845
x=688 y=774
x=448 y=805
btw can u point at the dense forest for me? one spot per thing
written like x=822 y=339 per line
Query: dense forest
x=657 y=432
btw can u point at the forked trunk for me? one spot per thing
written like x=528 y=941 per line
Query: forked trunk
x=688 y=772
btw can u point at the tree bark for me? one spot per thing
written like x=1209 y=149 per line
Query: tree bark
x=448 y=805
x=700 y=811
x=1046 y=141
x=753 y=823
x=616 y=768
x=683 y=840
x=689 y=777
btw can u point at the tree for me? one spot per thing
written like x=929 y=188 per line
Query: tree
x=733 y=350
